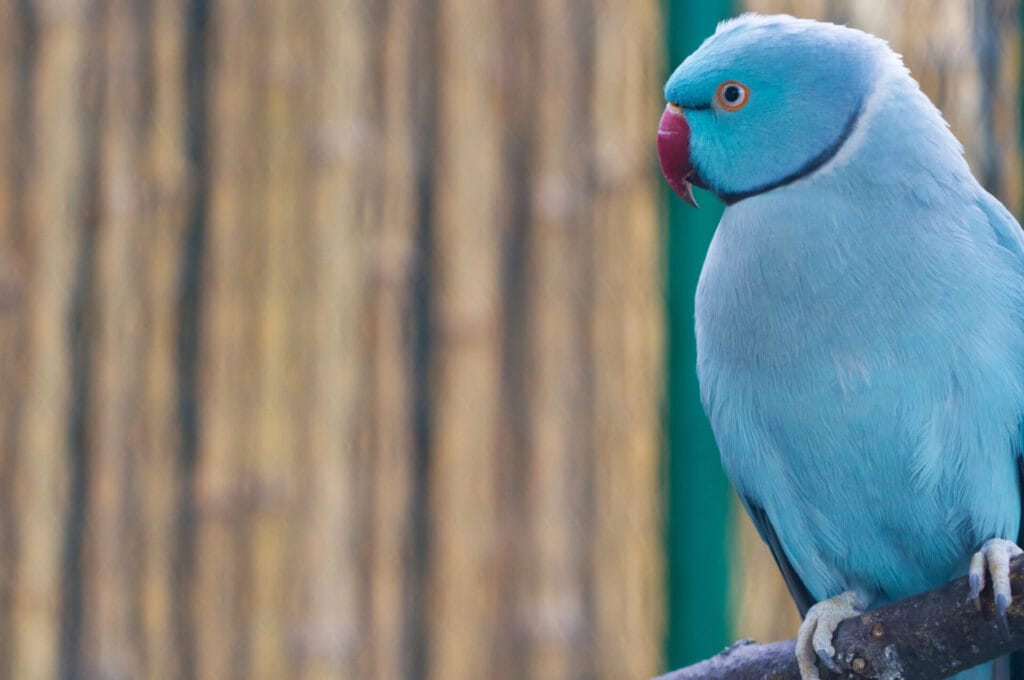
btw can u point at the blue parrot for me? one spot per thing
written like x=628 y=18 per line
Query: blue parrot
x=859 y=320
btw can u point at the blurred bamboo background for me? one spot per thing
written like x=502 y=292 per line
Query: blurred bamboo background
x=335 y=341
x=331 y=339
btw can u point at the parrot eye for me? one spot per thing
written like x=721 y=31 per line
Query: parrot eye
x=732 y=95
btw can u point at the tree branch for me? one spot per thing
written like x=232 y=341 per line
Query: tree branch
x=931 y=635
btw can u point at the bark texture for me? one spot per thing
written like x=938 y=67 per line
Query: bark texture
x=932 y=635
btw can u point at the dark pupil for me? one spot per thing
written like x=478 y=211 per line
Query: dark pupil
x=732 y=94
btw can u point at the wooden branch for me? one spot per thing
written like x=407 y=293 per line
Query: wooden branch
x=931 y=635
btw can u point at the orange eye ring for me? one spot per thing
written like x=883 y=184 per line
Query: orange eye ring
x=732 y=95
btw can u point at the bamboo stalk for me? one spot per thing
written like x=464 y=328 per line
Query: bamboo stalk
x=113 y=419
x=271 y=463
x=40 y=483
x=627 y=328
x=13 y=257
x=40 y=476
x=560 y=410
x=331 y=627
x=227 y=350
x=392 y=227
x=468 y=220
x=163 y=232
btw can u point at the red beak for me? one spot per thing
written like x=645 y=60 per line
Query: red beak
x=674 y=152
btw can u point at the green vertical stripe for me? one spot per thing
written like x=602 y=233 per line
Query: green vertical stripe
x=698 y=493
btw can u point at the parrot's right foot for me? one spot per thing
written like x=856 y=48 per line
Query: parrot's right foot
x=814 y=641
x=994 y=557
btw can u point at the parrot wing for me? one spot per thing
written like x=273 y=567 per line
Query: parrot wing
x=797 y=589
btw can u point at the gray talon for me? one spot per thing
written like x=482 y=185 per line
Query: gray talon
x=975 y=587
x=826 y=660
x=1002 y=602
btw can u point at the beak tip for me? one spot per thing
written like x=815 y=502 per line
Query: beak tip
x=684 y=190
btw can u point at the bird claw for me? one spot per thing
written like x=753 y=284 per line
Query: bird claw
x=825 y=659
x=994 y=558
x=814 y=641
x=1002 y=602
x=976 y=582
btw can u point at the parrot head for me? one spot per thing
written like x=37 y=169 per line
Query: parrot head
x=764 y=101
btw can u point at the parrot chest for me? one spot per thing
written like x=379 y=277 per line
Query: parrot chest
x=869 y=410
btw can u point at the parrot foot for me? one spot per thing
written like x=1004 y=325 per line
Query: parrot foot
x=994 y=557
x=814 y=641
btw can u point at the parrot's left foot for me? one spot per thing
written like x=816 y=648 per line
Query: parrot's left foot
x=814 y=641
x=994 y=557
